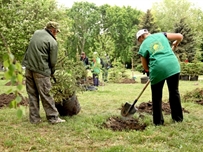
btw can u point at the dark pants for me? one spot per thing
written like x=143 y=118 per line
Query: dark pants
x=105 y=74
x=38 y=87
x=174 y=100
x=96 y=80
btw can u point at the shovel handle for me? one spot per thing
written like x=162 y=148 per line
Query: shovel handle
x=141 y=92
x=130 y=108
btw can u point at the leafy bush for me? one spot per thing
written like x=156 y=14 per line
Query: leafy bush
x=184 y=68
x=117 y=72
x=194 y=95
x=68 y=78
x=139 y=68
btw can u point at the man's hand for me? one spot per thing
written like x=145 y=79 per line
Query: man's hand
x=53 y=78
x=147 y=72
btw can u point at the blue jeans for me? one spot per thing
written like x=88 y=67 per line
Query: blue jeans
x=174 y=100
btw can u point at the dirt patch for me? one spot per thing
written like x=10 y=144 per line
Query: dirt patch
x=5 y=100
x=195 y=95
x=147 y=108
x=121 y=124
x=199 y=102
x=127 y=81
x=89 y=81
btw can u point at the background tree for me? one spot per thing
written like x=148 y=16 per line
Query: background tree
x=167 y=13
x=19 y=19
x=105 y=45
x=85 y=27
x=146 y=22
x=120 y=23
x=186 y=49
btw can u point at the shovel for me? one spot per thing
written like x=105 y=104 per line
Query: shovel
x=129 y=109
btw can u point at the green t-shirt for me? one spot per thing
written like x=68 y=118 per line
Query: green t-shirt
x=163 y=63
x=96 y=66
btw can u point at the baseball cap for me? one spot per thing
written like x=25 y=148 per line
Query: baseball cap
x=141 y=32
x=52 y=24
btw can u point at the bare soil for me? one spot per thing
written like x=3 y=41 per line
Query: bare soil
x=147 y=108
x=121 y=124
x=5 y=100
x=89 y=81
x=116 y=123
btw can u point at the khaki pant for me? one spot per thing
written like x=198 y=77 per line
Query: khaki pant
x=38 y=87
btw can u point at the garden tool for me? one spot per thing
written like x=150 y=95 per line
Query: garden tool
x=129 y=109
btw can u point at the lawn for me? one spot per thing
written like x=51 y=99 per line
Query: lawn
x=85 y=132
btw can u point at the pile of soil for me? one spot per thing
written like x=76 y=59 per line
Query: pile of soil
x=127 y=81
x=89 y=81
x=121 y=124
x=5 y=100
x=147 y=108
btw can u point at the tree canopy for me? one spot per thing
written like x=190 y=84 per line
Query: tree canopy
x=85 y=26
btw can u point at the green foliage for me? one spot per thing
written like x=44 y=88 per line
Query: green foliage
x=147 y=22
x=20 y=18
x=186 y=49
x=85 y=27
x=167 y=14
x=139 y=68
x=13 y=72
x=117 y=72
x=195 y=69
x=191 y=69
x=194 y=95
x=104 y=44
x=68 y=76
x=184 y=68
x=90 y=21
x=120 y=24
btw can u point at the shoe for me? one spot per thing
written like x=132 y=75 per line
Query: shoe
x=59 y=120
x=36 y=122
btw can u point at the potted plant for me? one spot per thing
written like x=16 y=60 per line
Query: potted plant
x=184 y=74
x=193 y=71
x=66 y=84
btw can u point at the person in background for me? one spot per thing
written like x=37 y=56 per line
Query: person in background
x=163 y=66
x=96 y=66
x=39 y=60
x=85 y=60
x=105 y=61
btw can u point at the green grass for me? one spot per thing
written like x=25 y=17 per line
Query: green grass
x=83 y=132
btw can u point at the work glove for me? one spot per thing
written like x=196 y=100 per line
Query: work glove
x=144 y=72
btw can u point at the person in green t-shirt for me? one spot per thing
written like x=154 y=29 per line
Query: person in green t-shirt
x=96 y=68
x=159 y=60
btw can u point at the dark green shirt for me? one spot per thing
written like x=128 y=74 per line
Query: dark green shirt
x=41 y=54
x=163 y=63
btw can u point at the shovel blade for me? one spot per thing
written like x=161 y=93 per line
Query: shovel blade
x=127 y=109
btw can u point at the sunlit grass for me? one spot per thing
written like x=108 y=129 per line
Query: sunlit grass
x=84 y=132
